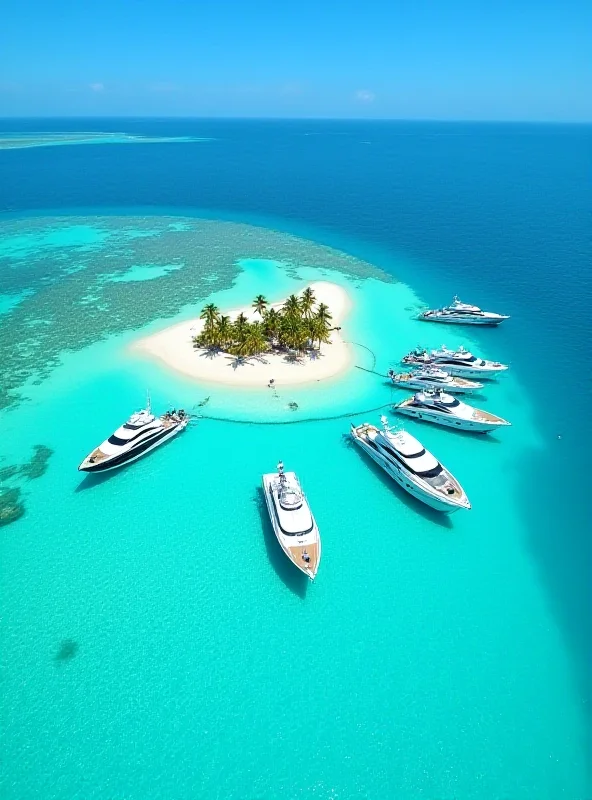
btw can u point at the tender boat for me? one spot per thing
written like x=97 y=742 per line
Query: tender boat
x=136 y=437
x=432 y=377
x=292 y=520
x=444 y=409
x=462 y=314
x=414 y=468
x=461 y=363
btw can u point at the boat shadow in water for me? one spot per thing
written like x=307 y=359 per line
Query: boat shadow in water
x=292 y=577
x=92 y=479
x=437 y=517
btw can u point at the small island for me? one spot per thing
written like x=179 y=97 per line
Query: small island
x=294 y=341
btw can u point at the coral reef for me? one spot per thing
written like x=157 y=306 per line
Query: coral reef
x=12 y=506
x=37 y=464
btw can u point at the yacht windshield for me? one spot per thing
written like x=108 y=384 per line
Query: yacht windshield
x=113 y=439
x=430 y=473
x=450 y=403
x=116 y=440
x=415 y=455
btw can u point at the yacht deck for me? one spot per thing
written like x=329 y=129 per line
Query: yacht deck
x=296 y=552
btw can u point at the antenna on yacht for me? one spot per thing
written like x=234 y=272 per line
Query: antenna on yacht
x=148 y=401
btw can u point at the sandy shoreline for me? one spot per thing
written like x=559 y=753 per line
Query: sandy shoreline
x=174 y=347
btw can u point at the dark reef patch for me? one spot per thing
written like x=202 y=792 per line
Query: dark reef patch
x=67 y=650
x=12 y=506
x=37 y=464
x=8 y=472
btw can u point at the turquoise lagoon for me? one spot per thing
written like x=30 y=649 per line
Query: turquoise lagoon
x=155 y=641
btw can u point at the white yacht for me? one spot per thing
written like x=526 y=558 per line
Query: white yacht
x=136 y=437
x=462 y=314
x=431 y=377
x=292 y=520
x=444 y=409
x=414 y=468
x=461 y=363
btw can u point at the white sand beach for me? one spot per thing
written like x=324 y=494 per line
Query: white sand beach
x=174 y=347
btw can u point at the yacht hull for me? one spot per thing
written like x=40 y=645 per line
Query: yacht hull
x=450 y=421
x=454 y=387
x=121 y=459
x=462 y=370
x=485 y=320
x=447 y=507
x=294 y=546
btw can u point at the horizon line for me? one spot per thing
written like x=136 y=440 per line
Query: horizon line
x=460 y=120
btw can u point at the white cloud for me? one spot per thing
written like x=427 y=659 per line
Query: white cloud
x=364 y=96
x=96 y=87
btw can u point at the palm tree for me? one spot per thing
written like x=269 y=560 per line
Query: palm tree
x=312 y=327
x=239 y=348
x=323 y=313
x=240 y=328
x=271 y=323
x=224 y=331
x=323 y=334
x=210 y=314
x=255 y=341
x=319 y=328
x=260 y=304
x=292 y=306
x=292 y=333
x=307 y=302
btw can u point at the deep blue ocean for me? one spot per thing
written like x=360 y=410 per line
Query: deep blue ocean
x=451 y=707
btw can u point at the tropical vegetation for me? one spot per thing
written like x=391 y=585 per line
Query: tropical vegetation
x=300 y=324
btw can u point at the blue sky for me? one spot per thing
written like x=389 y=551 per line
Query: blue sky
x=404 y=59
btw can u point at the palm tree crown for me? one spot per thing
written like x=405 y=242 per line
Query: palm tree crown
x=307 y=302
x=323 y=313
x=292 y=306
x=271 y=323
x=224 y=331
x=210 y=314
x=241 y=326
x=260 y=304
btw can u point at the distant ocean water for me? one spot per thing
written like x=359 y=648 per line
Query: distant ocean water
x=154 y=641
